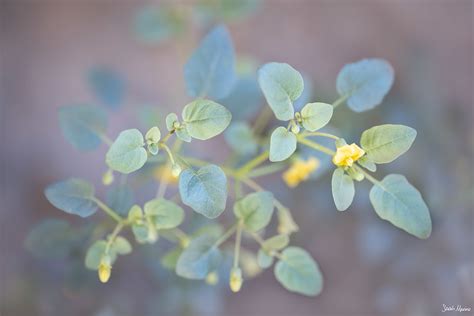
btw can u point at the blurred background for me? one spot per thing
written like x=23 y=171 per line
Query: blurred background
x=56 y=53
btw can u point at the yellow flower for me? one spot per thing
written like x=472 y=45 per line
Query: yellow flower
x=104 y=271
x=300 y=171
x=346 y=155
x=235 y=281
x=165 y=173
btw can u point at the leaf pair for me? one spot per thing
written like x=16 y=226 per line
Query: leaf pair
x=119 y=246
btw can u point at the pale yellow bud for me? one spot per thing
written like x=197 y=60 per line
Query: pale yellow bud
x=235 y=281
x=212 y=278
x=108 y=177
x=176 y=170
x=104 y=270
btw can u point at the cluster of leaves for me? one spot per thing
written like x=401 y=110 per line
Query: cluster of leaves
x=204 y=187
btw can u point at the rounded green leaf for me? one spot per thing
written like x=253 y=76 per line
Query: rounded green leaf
x=204 y=190
x=171 y=121
x=210 y=70
x=205 y=119
x=277 y=242
x=140 y=232
x=255 y=210
x=50 y=239
x=263 y=259
x=240 y=138
x=281 y=85
x=127 y=153
x=164 y=214
x=153 y=135
x=121 y=246
x=282 y=144
x=316 y=115
x=199 y=259
x=397 y=201
x=298 y=272
x=95 y=253
x=182 y=133
x=385 y=143
x=365 y=83
x=74 y=196
x=170 y=259
x=83 y=125
x=342 y=189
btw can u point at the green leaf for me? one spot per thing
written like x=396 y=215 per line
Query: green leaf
x=153 y=135
x=210 y=70
x=397 y=201
x=282 y=144
x=298 y=272
x=120 y=198
x=171 y=121
x=365 y=83
x=140 y=232
x=135 y=213
x=74 y=196
x=95 y=253
x=263 y=259
x=385 y=143
x=281 y=85
x=255 y=210
x=240 y=138
x=83 y=125
x=182 y=133
x=199 y=259
x=316 y=115
x=127 y=153
x=277 y=242
x=108 y=86
x=205 y=119
x=367 y=163
x=342 y=189
x=121 y=246
x=205 y=190
x=170 y=259
x=154 y=24
x=50 y=239
x=164 y=214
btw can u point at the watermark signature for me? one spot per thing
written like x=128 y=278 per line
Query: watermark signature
x=455 y=308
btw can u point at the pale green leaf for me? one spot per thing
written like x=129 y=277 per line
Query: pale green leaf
x=316 y=115
x=153 y=135
x=204 y=190
x=281 y=85
x=365 y=83
x=164 y=214
x=282 y=144
x=182 y=133
x=127 y=153
x=342 y=189
x=140 y=232
x=277 y=242
x=95 y=253
x=298 y=272
x=170 y=259
x=205 y=119
x=50 y=239
x=83 y=125
x=199 y=259
x=263 y=259
x=397 y=201
x=240 y=138
x=171 y=121
x=367 y=163
x=121 y=246
x=74 y=196
x=385 y=143
x=255 y=210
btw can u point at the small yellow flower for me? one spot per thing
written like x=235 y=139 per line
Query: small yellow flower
x=165 y=173
x=346 y=155
x=235 y=281
x=300 y=171
x=104 y=271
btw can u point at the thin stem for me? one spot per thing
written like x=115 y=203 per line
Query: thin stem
x=339 y=101
x=201 y=163
x=368 y=176
x=253 y=163
x=108 y=210
x=255 y=186
x=238 y=240
x=316 y=146
x=112 y=236
x=226 y=235
x=105 y=138
x=163 y=183
x=266 y=170
x=260 y=241
x=321 y=134
x=168 y=151
x=262 y=120
x=165 y=139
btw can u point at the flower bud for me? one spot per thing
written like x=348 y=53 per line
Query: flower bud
x=104 y=269
x=108 y=177
x=295 y=129
x=235 y=281
x=176 y=170
x=212 y=278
